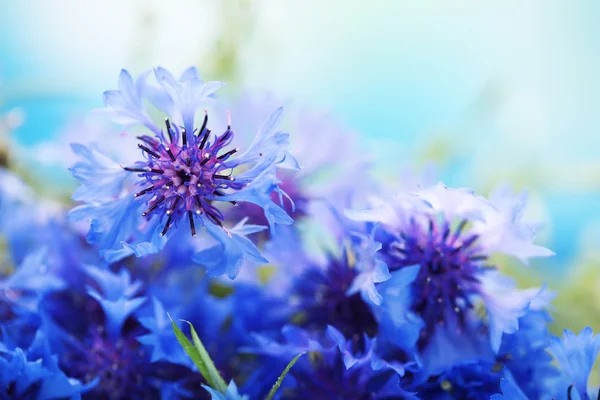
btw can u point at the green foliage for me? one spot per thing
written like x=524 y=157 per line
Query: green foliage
x=280 y=379
x=197 y=352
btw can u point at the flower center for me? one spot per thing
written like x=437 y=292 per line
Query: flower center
x=183 y=174
x=450 y=261
x=119 y=365
x=323 y=301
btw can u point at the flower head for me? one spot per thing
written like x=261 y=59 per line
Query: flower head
x=335 y=293
x=438 y=242
x=185 y=173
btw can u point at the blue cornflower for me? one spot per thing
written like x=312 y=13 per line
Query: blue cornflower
x=231 y=393
x=336 y=292
x=334 y=369
x=21 y=294
x=185 y=171
x=524 y=353
x=443 y=297
x=370 y=269
x=576 y=355
x=99 y=337
x=471 y=381
x=34 y=373
x=21 y=378
x=160 y=337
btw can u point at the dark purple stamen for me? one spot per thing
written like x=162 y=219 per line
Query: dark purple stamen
x=217 y=176
x=170 y=153
x=174 y=206
x=215 y=219
x=204 y=139
x=140 y=193
x=153 y=206
x=184 y=175
x=192 y=226
x=147 y=150
x=168 y=124
x=166 y=228
x=230 y=152
x=206 y=159
x=132 y=169
x=225 y=136
x=203 y=124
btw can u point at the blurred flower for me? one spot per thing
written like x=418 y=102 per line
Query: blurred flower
x=510 y=391
x=576 y=355
x=334 y=167
x=230 y=394
x=435 y=243
x=35 y=375
x=334 y=368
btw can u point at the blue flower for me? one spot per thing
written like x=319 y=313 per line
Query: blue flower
x=99 y=175
x=371 y=270
x=231 y=393
x=327 y=293
x=114 y=223
x=116 y=297
x=160 y=337
x=334 y=368
x=468 y=381
x=576 y=355
x=232 y=250
x=95 y=336
x=27 y=285
x=181 y=98
x=510 y=391
x=442 y=237
x=35 y=373
x=126 y=105
x=185 y=170
x=524 y=354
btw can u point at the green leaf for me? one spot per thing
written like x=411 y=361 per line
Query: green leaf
x=191 y=351
x=212 y=375
x=280 y=379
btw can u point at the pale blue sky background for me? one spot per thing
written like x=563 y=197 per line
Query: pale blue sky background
x=506 y=90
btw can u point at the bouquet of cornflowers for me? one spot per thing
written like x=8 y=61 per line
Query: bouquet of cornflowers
x=296 y=272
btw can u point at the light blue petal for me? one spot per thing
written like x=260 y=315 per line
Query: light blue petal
x=228 y=256
x=576 y=355
x=100 y=176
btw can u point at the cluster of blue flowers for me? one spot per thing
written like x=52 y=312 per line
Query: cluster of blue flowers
x=271 y=245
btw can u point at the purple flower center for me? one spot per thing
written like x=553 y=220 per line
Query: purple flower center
x=119 y=365
x=450 y=261
x=323 y=301
x=183 y=175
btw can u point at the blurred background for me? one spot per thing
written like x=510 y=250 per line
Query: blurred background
x=488 y=91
